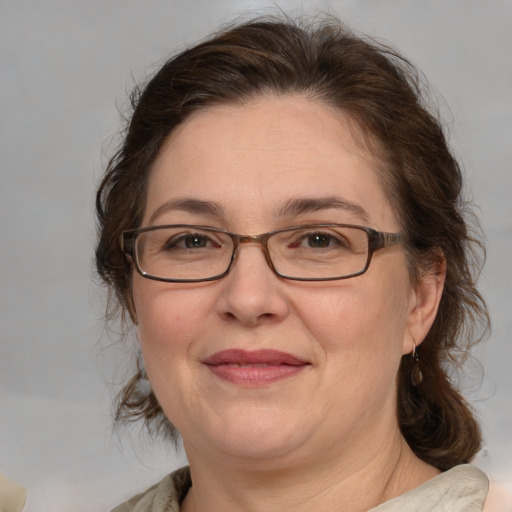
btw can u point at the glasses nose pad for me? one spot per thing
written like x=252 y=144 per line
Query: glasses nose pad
x=268 y=258
x=255 y=240
x=234 y=258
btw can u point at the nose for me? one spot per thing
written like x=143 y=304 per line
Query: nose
x=252 y=294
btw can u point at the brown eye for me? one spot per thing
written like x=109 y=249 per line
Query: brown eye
x=320 y=240
x=195 y=241
x=189 y=241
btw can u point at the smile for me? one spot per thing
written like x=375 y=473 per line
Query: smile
x=254 y=368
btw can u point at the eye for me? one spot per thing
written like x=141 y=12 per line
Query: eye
x=190 y=241
x=195 y=241
x=320 y=240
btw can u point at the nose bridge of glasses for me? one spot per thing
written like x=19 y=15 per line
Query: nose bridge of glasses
x=257 y=240
x=252 y=239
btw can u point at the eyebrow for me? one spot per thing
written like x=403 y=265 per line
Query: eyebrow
x=303 y=205
x=190 y=205
x=292 y=207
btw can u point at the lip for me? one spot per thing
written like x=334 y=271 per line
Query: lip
x=254 y=368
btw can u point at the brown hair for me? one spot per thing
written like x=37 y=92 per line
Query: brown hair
x=381 y=92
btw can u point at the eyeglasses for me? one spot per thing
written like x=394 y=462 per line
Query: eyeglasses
x=318 y=252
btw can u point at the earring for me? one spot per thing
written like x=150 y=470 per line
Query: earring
x=416 y=375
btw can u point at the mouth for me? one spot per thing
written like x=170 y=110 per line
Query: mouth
x=254 y=368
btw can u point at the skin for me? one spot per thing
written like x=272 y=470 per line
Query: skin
x=327 y=437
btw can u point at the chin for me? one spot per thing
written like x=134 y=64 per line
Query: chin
x=258 y=449
x=258 y=436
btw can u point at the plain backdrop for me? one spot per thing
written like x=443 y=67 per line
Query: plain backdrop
x=65 y=68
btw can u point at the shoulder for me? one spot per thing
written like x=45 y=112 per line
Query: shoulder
x=461 y=489
x=165 y=496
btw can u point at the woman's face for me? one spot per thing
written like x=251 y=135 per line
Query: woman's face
x=253 y=365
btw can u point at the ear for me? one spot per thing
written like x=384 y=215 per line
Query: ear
x=423 y=305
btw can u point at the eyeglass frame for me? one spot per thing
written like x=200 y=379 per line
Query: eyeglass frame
x=376 y=240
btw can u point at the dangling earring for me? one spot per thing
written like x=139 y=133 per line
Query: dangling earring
x=416 y=375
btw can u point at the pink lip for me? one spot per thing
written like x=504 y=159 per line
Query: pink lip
x=254 y=368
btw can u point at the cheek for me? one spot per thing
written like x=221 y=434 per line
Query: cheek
x=364 y=324
x=358 y=332
x=168 y=321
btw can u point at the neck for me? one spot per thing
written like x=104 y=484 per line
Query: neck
x=357 y=481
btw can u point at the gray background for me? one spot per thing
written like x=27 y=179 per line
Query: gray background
x=63 y=67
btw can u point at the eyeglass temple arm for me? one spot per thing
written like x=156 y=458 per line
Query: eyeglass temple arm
x=126 y=241
x=386 y=239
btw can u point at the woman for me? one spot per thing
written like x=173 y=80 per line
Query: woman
x=284 y=225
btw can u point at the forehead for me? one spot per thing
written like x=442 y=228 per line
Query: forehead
x=253 y=158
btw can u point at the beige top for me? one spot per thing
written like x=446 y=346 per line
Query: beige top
x=461 y=489
x=12 y=495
